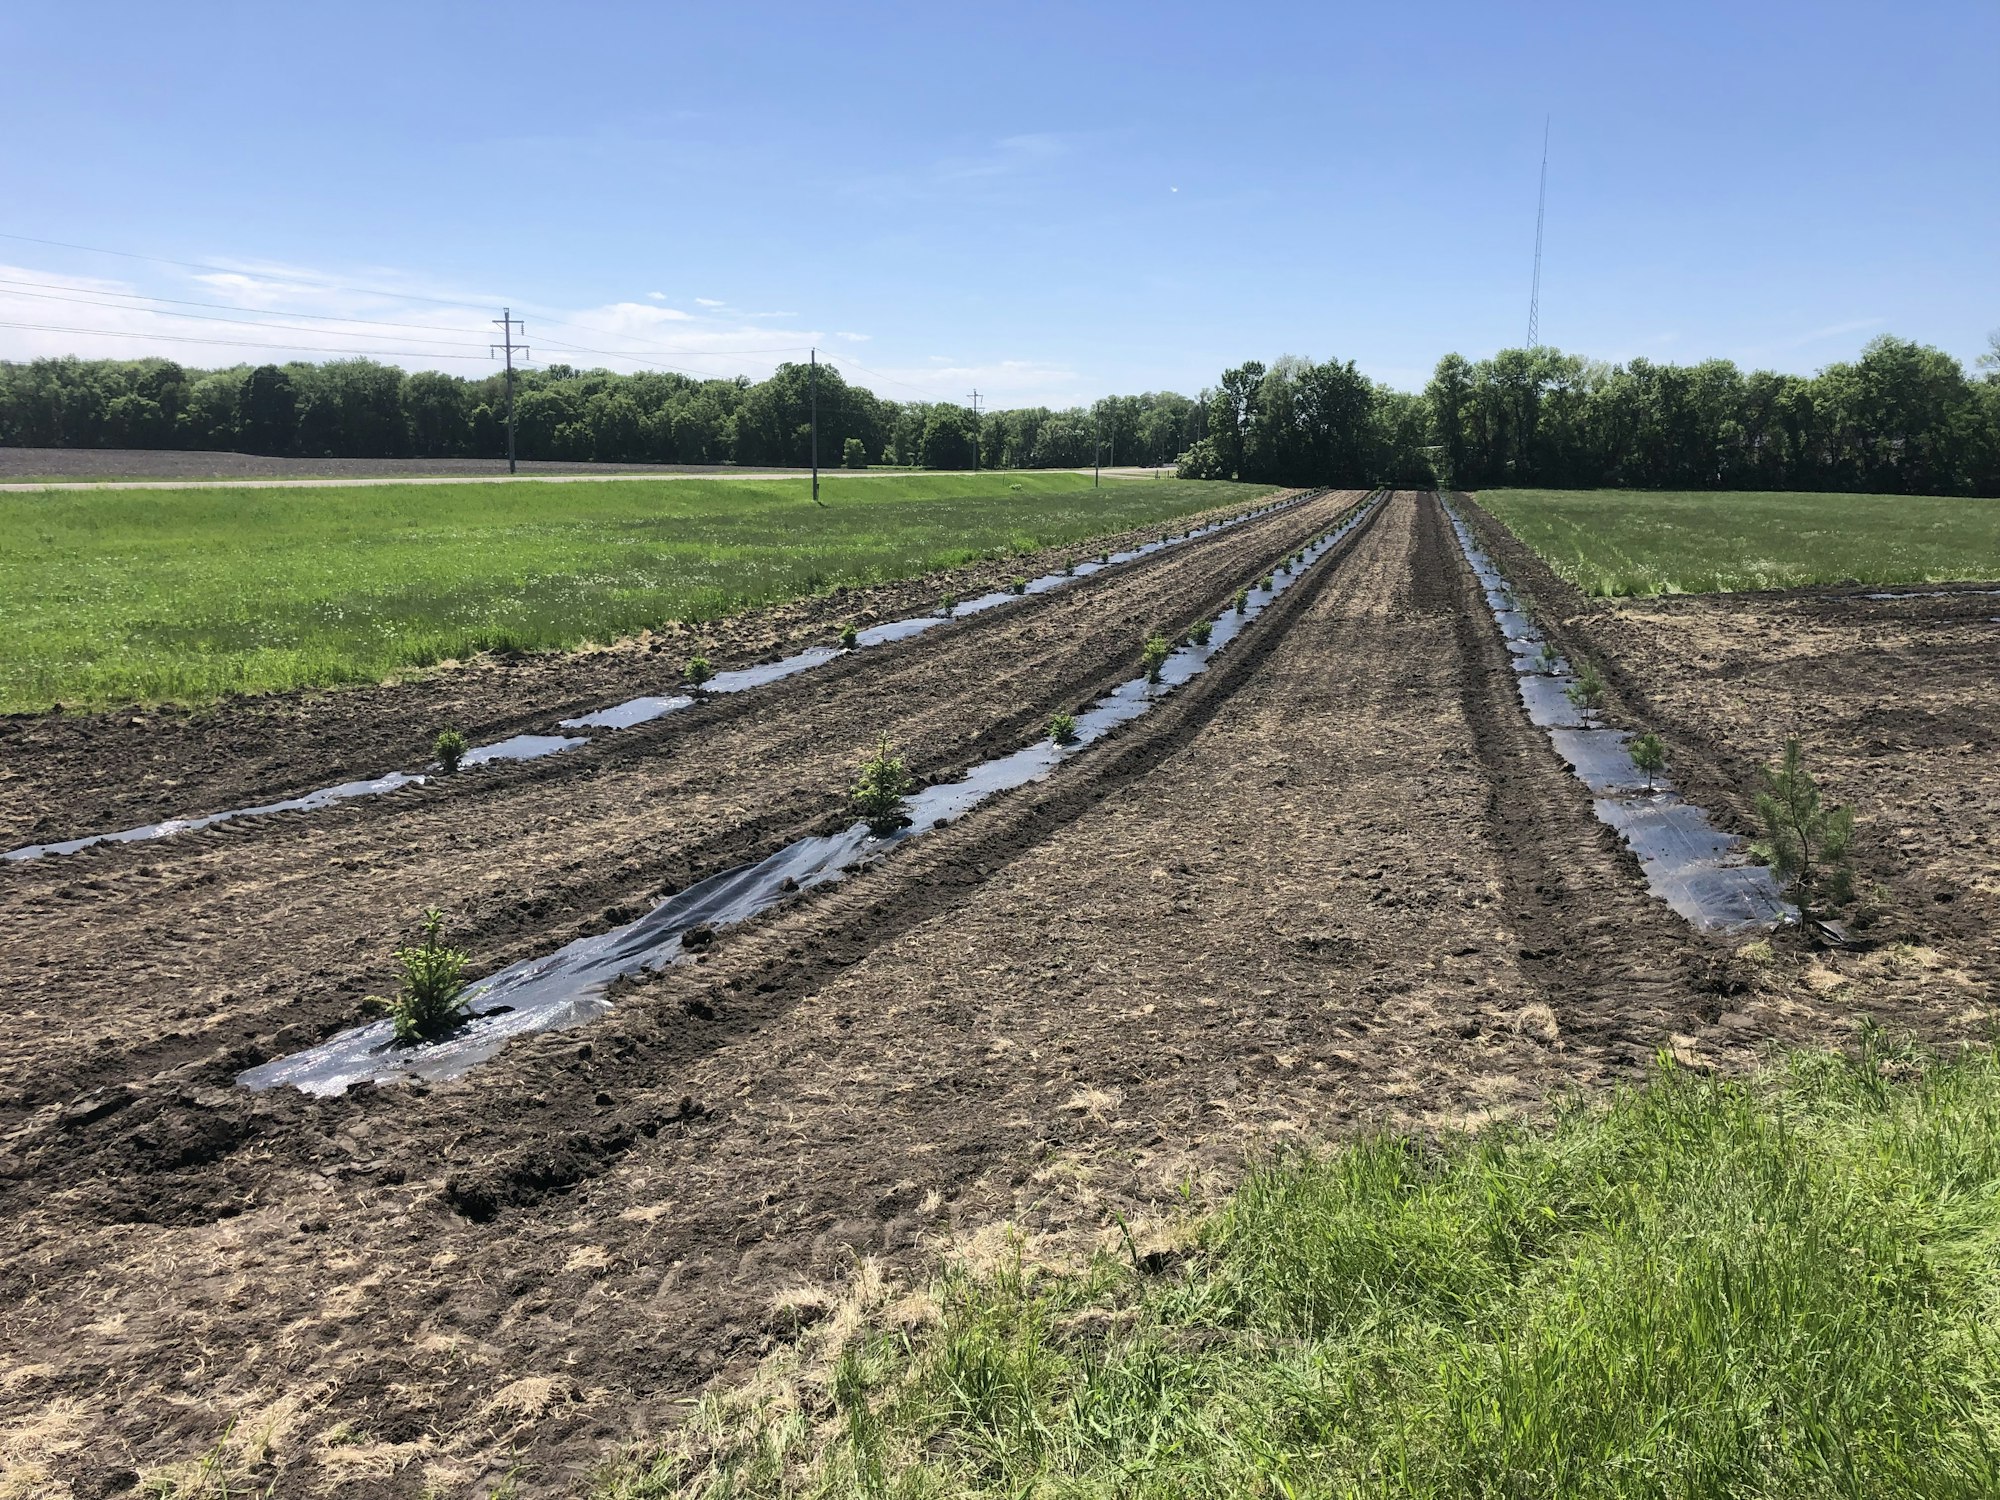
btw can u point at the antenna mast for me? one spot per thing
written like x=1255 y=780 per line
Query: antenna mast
x=1541 y=207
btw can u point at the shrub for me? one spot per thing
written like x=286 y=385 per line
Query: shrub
x=1242 y=601
x=1588 y=689
x=1200 y=631
x=431 y=1000
x=1649 y=754
x=1062 y=728
x=698 y=670
x=884 y=781
x=1104 y=557
x=849 y=636
x=1154 y=656
x=853 y=454
x=449 y=748
x=1265 y=583
x=946 y=604
x=1019 y=585
x=1806 y=843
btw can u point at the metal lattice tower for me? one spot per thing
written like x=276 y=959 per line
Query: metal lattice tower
x=1541 y=207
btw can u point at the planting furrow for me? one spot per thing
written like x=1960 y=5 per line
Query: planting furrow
x=254 y=939
x=70 y=776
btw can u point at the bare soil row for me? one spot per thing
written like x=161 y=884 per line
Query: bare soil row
x=1336 y=880
x=1897 y=702
x=250 y=939
x=62 y=775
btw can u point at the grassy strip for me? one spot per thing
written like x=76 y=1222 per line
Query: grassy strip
x=117 y=595
x=1782 y=1288
x=1612 y=542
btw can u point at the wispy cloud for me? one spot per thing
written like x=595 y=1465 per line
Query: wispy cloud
x=1810 y=337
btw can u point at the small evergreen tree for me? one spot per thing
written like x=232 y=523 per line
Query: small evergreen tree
x=1649 y=754
x=1806 y=843
x=1062 y=728
x=1154 y=656
x=449 y=748
x=881 y=787
x=698 y=670
x=432 y=997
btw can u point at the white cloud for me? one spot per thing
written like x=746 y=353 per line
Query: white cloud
x=260 y=314
x=661 y=296
x=709 y=302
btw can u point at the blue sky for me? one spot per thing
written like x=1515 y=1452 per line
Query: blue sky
x=1048 y=202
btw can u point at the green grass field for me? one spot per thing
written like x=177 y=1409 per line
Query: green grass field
x=110 y=596
x=1655 y=542
x=1789 y=1287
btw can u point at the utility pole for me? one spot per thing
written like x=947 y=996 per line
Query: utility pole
x=975 y=432
x=1096 y=449
x=508 y=323
x=815 y=421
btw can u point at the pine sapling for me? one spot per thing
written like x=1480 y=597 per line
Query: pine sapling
x=946 y=604
x=1806 y=843
x=1019 y=585
x=1649 y=754
x=431 y=1000
x=1588 y=689
x=1062 y=728
x=698 y=670
x=849 y=636
x=881 y=787
x=1200 y=631
x=1154 y=656
x=449 y=748
x=1265 y=583
x=1242 y=601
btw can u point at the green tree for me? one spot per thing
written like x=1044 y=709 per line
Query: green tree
x=947 y=441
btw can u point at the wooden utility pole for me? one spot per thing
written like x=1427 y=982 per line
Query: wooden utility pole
x=508 y=323
x=975 y=432
x=815 y=420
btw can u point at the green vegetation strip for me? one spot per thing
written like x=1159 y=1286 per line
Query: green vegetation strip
x=111 y=596
x=1787 y=1287
x=1611 y=542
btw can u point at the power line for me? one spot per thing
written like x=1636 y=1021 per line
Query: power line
x=508 y=323
x=184 y=338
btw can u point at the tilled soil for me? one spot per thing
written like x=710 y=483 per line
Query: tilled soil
x=1336 y=880
x=1897 y=702
x=251 y=938
x=65 y=775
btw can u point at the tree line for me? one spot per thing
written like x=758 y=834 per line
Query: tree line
x=357 y=408
x=1902 y=417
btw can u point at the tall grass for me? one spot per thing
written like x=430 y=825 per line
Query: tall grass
x=1788 y=1287
x=112 y=595
x=1612 y=542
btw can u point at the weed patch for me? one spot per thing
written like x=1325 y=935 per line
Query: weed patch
x=1703 y=1288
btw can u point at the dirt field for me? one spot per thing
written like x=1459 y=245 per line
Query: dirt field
x=1338 y=879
